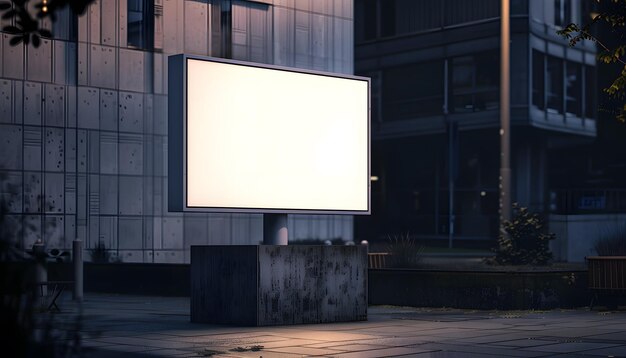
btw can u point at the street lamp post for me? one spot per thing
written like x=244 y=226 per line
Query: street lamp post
x=505 y=119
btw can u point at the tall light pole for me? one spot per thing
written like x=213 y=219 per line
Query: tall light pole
x=505 y=116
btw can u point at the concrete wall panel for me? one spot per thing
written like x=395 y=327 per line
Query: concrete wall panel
x=33 y=192
x=70 y=193
x=32 y=148
x=196 y=23
x=131 y=112
x=219 y=226
x=64 y=63
x=172 y=232
x=131 y=154
x=102 y=67
x=94 y=155
x=11 y=192
x=195 y=230
x=108 y=195
x=88 y=107
x=70 y=150
x=82 y=151
x=10 y=147
x=108 y=153
x=108 y=233
x=6 y=101
x=83 y=64
x=94 y=24
x=54 y=105
x=130 y=234
x=54 y=201
x=39 y=64
x=94 y=194
x=132 y=70
x=54 y=149
x=108 y=110
x=32 y=103
x=109 y=22
x=12 y=59
x=131 y=196
x=173 y=26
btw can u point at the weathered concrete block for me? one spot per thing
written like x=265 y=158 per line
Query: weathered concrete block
x=277 y=285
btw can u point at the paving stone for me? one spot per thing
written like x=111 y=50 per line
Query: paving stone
x=570 y=347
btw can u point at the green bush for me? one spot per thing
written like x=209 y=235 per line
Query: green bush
x=524 y=241
x=613 y=243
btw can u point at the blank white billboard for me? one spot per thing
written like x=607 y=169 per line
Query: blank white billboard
x=267 y=139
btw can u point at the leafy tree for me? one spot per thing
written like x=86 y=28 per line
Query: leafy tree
x=612 y=19
x=27 y=28
x=523 y=241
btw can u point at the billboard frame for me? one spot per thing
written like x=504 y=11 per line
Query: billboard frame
x=177 y=138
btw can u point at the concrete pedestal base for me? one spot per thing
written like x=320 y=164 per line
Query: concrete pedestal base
x=278 y=285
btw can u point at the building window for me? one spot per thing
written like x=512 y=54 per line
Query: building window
x=574 y=89
x=562 y=12
x=475 y=81
x=538 y=78
x=388 y=18
x=590 y=92
x=554 y=83
x=413 y=91
x=140 y=23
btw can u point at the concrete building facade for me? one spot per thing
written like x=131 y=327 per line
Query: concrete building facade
x=83 y=118
x=434 y=66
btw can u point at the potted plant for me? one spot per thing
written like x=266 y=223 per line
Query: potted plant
x=607 y=270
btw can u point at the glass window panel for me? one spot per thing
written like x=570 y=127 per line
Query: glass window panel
x=474 y=82
x=574 y=86
x=140 y=23
x=590 y=92
x=387 y=18
x=554 y=89
x=414 y=90
x=538 y=79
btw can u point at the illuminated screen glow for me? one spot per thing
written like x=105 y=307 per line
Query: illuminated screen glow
x=263 y=138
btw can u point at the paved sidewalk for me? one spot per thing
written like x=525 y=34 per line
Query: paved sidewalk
x=135 y=326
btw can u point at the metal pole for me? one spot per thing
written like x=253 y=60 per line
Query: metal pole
x=275 y=231
x=77 y=255
x=41 y=274
x=505 y=120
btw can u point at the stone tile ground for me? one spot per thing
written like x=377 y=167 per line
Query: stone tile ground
x=135 y=326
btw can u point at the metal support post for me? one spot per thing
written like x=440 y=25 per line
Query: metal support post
x=77 y=255
x=505 y=120
x=275 y=231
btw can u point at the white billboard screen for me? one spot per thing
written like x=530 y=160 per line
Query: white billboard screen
x=271 y=139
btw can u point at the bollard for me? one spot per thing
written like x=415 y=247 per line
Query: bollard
x=41 y=274
x=77 y=255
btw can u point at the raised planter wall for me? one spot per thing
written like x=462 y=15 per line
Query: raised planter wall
x=418 y=288
x=478 y=289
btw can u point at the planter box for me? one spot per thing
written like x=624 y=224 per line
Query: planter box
x=278 y=285
x=607 y=273
x=478 y=289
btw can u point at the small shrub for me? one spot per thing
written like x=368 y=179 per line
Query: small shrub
x=100 y=254
x=524 y=241
x=405 y=251
x=613 y=243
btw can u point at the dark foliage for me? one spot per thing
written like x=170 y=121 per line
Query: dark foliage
x=612 y=51
x=524 y=241
x=26 y=27
x=405 y=251
x=25 y=329
x=99 y=254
